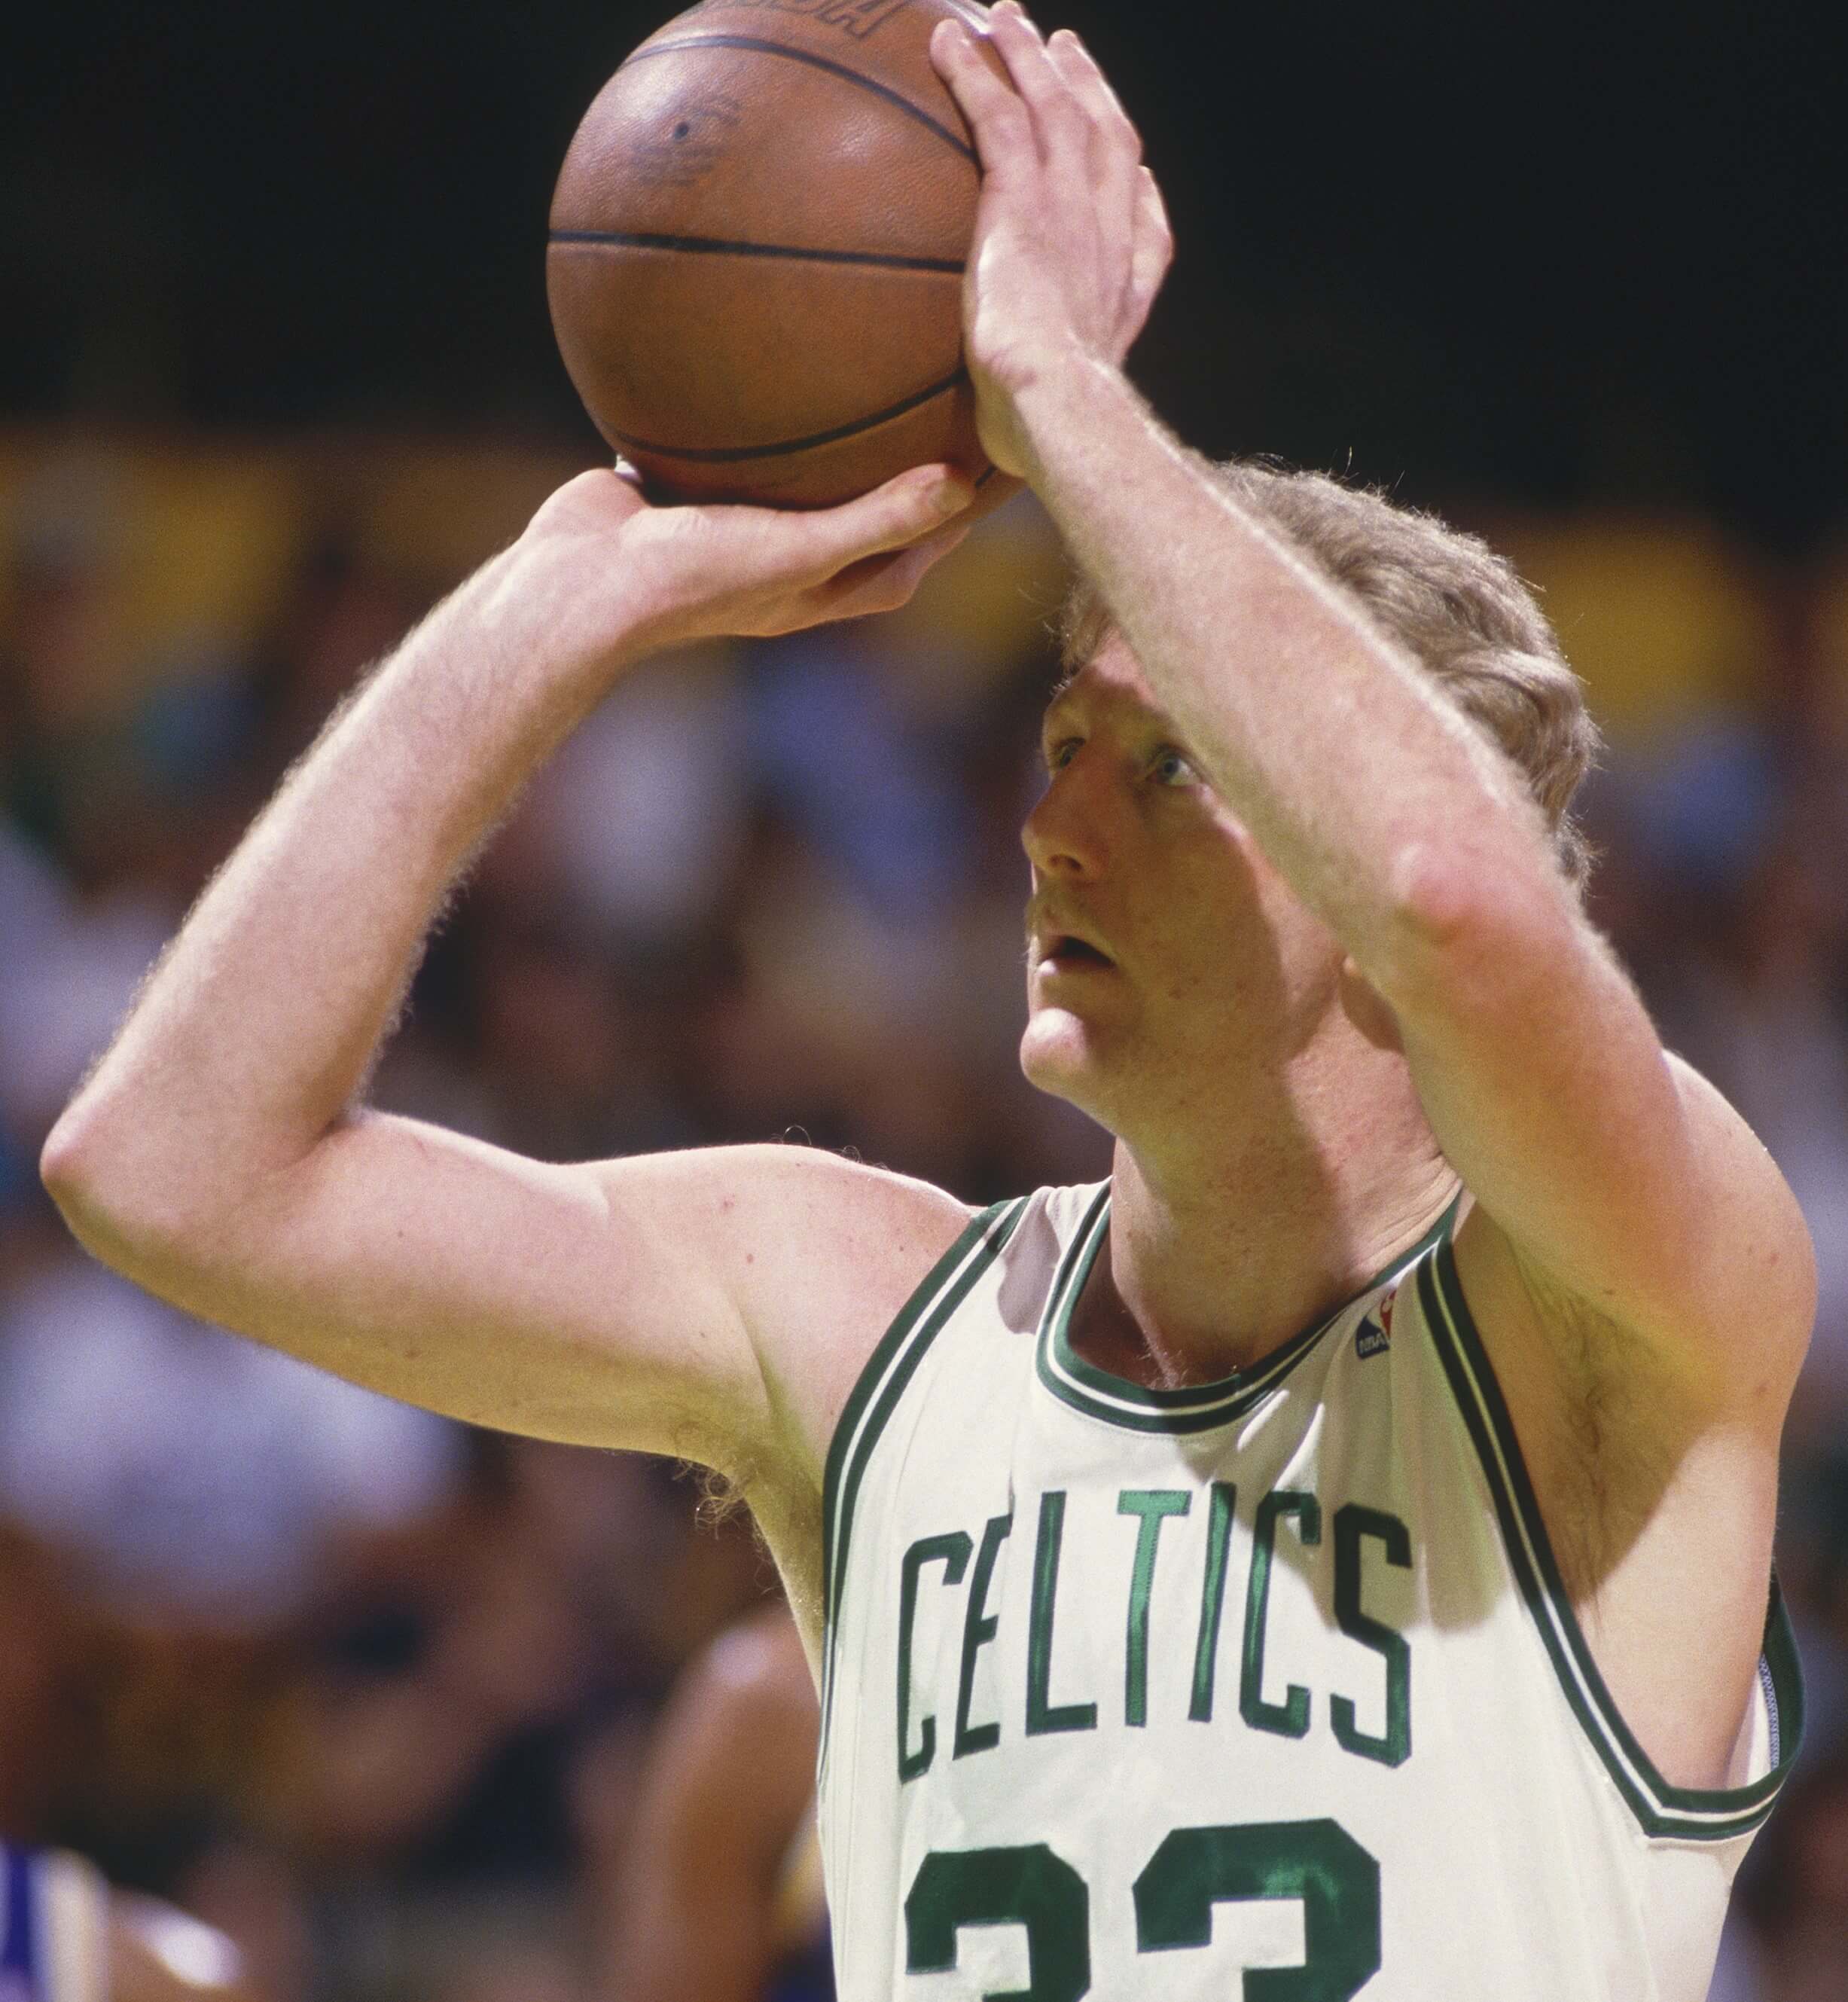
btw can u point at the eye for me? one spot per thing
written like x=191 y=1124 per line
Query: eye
x=1060 y=754
x=1169 y=767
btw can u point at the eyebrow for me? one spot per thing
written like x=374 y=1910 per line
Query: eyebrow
x=1043 y=735
x=1061 y=689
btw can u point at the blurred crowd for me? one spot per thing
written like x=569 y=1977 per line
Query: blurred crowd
x=370 y=1690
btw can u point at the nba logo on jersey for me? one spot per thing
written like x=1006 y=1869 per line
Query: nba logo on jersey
x=1374 y=1336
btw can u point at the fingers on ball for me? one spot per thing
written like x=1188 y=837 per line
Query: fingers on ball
x=1060 y=120
x=1087 y=78
x=1152 y=212
x=996 y=116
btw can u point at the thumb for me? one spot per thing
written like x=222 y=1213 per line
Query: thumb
x=902 y=511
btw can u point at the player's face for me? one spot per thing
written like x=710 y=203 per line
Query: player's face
x=1166 y=957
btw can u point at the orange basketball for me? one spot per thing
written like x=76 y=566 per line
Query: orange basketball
x=757 y=248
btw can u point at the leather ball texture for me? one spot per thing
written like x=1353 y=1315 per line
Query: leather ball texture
x=756 y=255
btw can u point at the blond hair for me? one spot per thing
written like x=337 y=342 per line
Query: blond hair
x=1445 y=596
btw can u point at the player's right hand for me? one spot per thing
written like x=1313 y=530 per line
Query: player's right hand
x=623 y=578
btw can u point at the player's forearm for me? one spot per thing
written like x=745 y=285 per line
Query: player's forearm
x=256 y=1031
x=1354 y=776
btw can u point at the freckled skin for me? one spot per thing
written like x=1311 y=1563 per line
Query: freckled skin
x=1219 y=968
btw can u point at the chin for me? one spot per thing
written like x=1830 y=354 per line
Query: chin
x=1057 y=1056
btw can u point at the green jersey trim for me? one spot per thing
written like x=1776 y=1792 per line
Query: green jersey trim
x=875 y=1396
x=1199 y=1406
x=1699 y=1814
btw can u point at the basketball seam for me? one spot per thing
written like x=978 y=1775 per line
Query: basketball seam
x=841 y=70
x=738 y=454
x=720 y=246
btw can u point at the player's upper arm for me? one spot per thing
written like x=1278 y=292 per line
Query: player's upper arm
x=1610 y=1166
x=648 y=1302
x=728 y=1785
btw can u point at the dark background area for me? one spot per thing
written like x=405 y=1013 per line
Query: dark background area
x=1563 y=253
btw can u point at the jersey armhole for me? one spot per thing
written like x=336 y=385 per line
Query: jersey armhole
x=875 y=1396
x=1699 y=1814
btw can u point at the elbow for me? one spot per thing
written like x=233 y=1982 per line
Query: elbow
x=122 y=1204
x=1464 y=922
x=81 y=1174
x=69 y=1161
x=153 y=1193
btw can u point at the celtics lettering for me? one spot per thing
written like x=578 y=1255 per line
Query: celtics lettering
x=1223 y=1633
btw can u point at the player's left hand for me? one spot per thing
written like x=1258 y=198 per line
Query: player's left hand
x=1071 y=239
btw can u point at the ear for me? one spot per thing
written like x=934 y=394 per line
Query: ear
x=1361 y=1004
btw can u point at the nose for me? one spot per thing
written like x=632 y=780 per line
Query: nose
x=1064 y=834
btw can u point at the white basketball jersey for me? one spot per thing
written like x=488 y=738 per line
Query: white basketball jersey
x=1151 y=1694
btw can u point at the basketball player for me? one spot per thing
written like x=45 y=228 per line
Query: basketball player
x=66 y=1937
x=720 y=1895
x=1335 y=1554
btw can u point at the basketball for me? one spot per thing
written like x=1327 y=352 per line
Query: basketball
x=757 y=244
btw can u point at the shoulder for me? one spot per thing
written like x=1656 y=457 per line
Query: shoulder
x=878 y=1214
x=1629 y=1407
x=736 y=1749
x=1753 y=1288
x=1653 y=1465
x=832 y=1244
x=755 y=1678
x=803 y=1197
x=1717 y=1340
x=816 y=1255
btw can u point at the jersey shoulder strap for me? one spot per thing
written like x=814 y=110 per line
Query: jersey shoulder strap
x=882 y=1383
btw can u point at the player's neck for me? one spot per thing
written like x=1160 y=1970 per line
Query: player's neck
x=1281 y=1204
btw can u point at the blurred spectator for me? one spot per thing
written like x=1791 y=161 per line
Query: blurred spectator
x=186 y=1473
x=715 y=1888
x=642 y=816
x=66 y=1937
